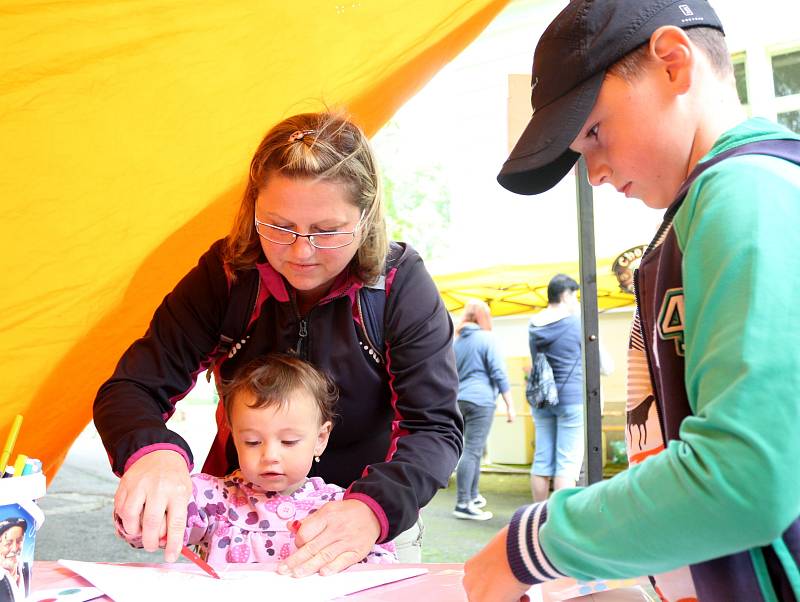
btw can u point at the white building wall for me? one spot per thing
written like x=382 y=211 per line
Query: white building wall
x=460 y=121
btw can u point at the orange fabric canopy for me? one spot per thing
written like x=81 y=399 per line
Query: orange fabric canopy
x=126 y=133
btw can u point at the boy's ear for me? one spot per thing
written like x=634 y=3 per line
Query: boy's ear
x=671 y=48
x=322 y=438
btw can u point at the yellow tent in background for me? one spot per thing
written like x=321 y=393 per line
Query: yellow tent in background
x=519 y=289
x=126 y=129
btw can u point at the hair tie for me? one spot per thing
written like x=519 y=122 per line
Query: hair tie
x=300 y=134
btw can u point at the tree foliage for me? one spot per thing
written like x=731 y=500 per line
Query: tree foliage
x=417 y=198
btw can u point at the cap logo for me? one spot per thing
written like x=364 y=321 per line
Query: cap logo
x=684 y=8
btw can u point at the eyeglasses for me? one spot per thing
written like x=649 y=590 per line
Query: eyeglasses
x=319 y=240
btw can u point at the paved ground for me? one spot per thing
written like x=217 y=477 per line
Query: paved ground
x=79 y=503
x=449 y=539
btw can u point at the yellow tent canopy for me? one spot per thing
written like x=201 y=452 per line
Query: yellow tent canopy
x=126 y=133
x=519 y=289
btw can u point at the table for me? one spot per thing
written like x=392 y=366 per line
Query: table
x=442 y=583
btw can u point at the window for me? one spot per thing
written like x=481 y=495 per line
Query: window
x=786 y=81
x=790 y=119
x=740 y=73
x=786 y=73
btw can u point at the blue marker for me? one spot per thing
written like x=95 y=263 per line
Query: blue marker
x=32 y=465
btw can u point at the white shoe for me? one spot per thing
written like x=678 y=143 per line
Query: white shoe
x=470 y=512
x=478 y=502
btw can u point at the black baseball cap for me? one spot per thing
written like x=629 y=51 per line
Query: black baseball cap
x=569 y=65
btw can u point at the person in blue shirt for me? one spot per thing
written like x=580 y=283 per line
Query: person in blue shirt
x=481 y=375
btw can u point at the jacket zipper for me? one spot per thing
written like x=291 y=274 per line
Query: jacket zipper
x=302 y=334
x=301 y=338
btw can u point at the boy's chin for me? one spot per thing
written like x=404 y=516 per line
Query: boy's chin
x=653 y=202
x=659 y=206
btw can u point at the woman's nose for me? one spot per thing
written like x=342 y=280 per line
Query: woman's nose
x=302 y=248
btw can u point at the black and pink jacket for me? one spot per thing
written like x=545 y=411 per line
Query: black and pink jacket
x=397 y=437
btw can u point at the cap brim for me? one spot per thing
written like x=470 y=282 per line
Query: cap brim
x=541 y=157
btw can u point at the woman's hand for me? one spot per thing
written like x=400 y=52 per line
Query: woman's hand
x=152 y=499
x=487 y=575
x=510 y=414
x=336 y=536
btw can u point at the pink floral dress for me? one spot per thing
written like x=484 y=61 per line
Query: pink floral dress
x=233 y=520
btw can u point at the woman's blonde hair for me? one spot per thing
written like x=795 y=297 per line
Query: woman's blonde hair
x=476 y=312
x=326 y=146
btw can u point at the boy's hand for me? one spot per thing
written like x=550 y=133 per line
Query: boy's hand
x=487 y=576
x=336 y=536
x=152 y=500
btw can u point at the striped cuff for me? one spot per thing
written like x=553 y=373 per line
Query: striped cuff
x=525 y=555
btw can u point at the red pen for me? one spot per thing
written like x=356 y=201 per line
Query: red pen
x=187 y=553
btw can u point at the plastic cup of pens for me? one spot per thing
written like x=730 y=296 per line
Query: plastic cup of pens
x=20 y=518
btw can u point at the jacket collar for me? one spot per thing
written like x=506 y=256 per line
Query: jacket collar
x=346 y=283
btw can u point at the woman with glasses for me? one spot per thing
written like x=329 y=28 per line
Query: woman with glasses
x=310 y=230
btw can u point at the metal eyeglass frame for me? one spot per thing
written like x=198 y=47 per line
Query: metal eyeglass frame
x=311 y=237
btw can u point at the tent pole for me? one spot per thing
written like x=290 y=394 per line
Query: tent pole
x=591 y=353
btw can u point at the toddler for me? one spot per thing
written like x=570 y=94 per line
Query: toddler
x=280 y=411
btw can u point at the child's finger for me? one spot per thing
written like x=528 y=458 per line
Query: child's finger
x=311 y=539
x=294 y=526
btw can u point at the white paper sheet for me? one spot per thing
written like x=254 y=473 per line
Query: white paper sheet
x=535 y=593
x=135 y=583
x=65 y=594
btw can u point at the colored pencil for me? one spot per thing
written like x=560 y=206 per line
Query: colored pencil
x=19 y=465
x=10 y=441
x=187 y=553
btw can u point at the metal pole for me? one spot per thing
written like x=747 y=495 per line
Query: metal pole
x=591 y=351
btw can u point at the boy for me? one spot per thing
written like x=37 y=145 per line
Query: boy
x=644 y=90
